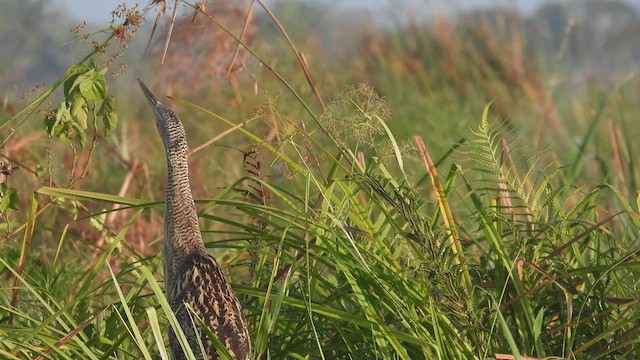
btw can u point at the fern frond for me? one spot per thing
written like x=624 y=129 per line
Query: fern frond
x=521 y=179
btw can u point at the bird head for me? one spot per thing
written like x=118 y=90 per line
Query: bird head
x=169 y=125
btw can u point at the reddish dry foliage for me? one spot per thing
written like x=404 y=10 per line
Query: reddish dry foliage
x=200 y=51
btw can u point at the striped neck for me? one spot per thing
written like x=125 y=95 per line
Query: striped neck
x=182 y=235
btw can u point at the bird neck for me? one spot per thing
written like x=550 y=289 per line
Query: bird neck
x=182 y=231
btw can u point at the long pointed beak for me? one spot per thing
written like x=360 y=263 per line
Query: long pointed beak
x=167 y=121
x=152 y=99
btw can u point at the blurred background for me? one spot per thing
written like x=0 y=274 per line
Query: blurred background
x=601 y=46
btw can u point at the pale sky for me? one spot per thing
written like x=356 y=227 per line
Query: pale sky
x=100 y=10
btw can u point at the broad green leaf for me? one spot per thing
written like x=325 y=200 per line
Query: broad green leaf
x=94 y=87
x=109 y=115
x=70 y=84
x=93 y=90
x=79 y=111
x=5 y=197
x=90 y=83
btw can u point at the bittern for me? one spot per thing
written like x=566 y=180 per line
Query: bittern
x=193 y=278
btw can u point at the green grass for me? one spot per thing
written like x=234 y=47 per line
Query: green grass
x=367 y=244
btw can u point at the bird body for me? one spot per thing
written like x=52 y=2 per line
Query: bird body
x=192 y=276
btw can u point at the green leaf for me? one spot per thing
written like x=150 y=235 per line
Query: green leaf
x=82 y=76
x=58 y=123
x=110 y=122
x=64 y=137
x=64 y=123
x=92 y=196
x=4 y=202
x=537 y=324
x=108 y=113
x=50 y=121
x=157 y=331
x=93 y=65
x=508 y=335
x=93 y=89
x=82 y=135
x=129 y=319
x=63 y=113
x=91 y=84
x=79 y=110
x=9 y=198
x=70 y=84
